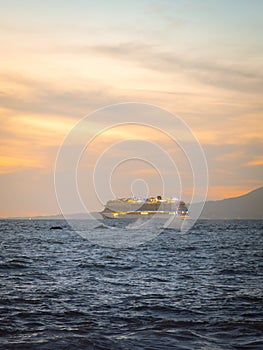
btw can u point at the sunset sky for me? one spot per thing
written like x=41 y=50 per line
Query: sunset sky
x=61 y=60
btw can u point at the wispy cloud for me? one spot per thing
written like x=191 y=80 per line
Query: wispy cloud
x=256 y=161
x=239 y=72
x=145 y=171
x=26 y=94
x=211 y=71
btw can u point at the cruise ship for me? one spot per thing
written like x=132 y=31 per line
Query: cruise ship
x=137 y=207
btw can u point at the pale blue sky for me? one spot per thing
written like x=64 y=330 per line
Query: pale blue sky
x=236 y=21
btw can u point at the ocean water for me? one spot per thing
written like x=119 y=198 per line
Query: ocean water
x=198 y=290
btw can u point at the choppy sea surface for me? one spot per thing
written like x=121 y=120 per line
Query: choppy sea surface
x=198 y=290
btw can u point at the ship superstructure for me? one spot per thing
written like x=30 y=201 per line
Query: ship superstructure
x=135 y=207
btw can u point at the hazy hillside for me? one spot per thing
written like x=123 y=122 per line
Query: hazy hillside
x=248 y=206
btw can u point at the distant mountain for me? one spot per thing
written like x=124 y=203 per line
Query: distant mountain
x=248 y=206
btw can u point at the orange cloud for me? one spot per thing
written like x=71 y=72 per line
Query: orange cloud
x=148 y=171
x=11 y=163
x=257 y=161
x=222 y=192
x=25 y=139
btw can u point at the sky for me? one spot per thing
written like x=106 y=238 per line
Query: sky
x=62 y=60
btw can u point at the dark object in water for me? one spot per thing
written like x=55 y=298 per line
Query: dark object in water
x=56 y=228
